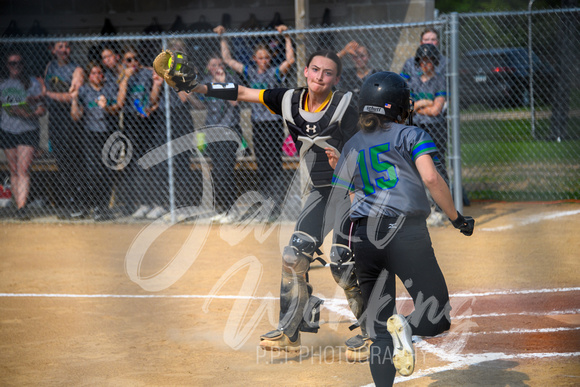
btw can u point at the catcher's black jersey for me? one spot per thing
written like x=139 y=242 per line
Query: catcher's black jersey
x=380 y=168
x=333 y=126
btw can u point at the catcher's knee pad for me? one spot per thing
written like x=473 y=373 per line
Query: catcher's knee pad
x=298 y=255
x=304 y=243
x=342 y=266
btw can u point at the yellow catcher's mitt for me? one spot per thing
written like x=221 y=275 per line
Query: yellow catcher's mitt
x=176 y=70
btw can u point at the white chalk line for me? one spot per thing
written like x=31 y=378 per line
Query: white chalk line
x=190 y=296
x=507 y=292
x=242 y=297
x=517 y=330
x=465 y=360
x=453 y=356
x=459 y=337
x=539 y=314
x=335 y=305
x=531 y=219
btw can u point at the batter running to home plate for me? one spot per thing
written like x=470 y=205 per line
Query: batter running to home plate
x=317 y=118
x=385 y=167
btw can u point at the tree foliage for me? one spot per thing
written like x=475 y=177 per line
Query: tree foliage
x=448 y=6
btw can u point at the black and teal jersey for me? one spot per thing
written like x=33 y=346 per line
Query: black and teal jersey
x=270 y=79
x=379 y=168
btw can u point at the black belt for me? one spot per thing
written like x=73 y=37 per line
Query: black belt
x=389 y=219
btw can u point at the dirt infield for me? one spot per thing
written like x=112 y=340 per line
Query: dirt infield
x=141 y=305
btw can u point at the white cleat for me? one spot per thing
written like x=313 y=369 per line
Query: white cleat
x=403 y=350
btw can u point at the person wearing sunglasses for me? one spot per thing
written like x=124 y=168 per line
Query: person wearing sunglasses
x=139 y=93
x=22 y=105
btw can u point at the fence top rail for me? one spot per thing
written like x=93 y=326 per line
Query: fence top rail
x=210 y=35
x=519 y=13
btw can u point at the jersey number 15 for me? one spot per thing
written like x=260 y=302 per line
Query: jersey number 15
x=386 y=172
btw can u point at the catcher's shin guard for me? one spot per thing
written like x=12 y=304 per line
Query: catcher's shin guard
x=342 y=269
x=311 y=317
x=294 y=288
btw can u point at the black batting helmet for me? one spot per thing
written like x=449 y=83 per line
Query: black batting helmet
x=427 y=51
x=387 y=94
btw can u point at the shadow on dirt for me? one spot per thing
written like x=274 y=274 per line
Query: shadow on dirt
x=489 y=373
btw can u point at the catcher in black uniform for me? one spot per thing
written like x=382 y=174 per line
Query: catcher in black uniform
x=385 y=167
x=317 y=118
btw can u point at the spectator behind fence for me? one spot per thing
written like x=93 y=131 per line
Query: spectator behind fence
x=22 y=104
x=429 y=93
x=138 y=97
x=353 y=77
x=429 y=36
x=226 y=114
x=267 y=128
x=276 y=43
x=62 y=77
x=94 y=105
x=112 y=65
x=244 y=45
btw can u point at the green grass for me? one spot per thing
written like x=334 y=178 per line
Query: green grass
x=510 y=196
x=496 y=152
x=512 y=130
x=501 y=160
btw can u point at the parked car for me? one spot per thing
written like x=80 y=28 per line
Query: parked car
x=499 y=77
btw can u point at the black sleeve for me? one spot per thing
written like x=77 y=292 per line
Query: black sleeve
x=272 y=98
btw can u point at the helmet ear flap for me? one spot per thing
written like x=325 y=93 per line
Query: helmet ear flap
x=403 y=116
x=406 y=112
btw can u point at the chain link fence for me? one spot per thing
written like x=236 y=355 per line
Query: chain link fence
x=520 y=104
x=146 y=152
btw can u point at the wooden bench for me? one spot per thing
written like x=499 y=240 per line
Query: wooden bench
x=48 y=164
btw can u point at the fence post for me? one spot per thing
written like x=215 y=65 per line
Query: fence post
x=454 y=105
x=302 y=12
x=170 y=181
x=531 y=75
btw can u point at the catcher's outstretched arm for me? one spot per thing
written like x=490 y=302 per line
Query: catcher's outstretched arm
x=248 y=95
x=229 y=91
x=176 y=70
